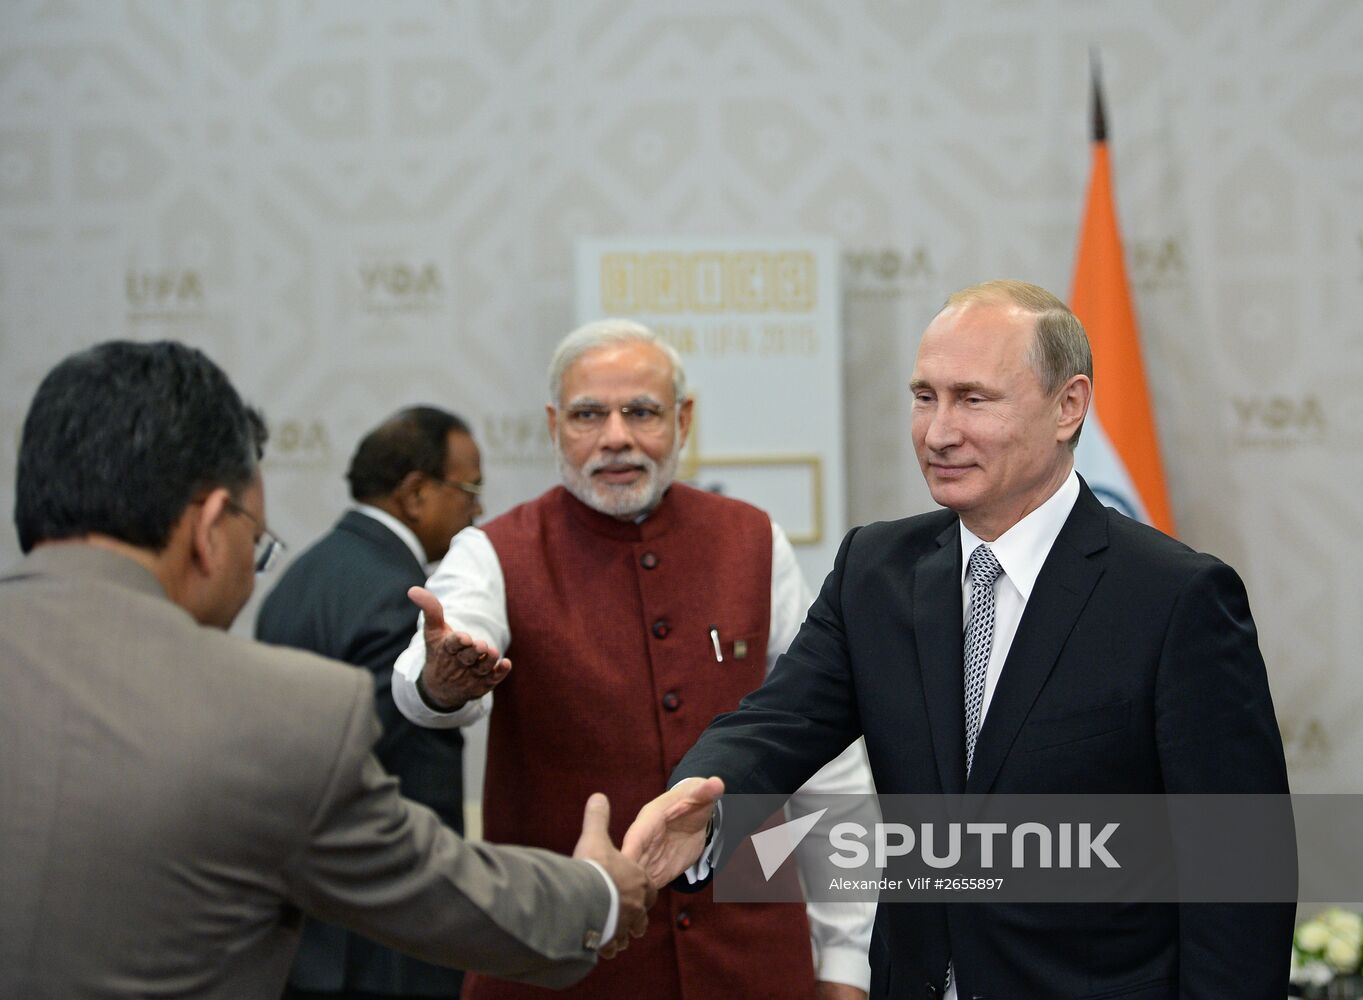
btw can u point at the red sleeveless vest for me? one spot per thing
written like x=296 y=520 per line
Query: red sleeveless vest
x=614 y=677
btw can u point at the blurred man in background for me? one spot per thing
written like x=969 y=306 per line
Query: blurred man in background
x=171 y=796
x=415 y=480
x=636 y=608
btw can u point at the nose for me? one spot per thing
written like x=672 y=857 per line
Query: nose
x=942 y=431
x=616 y=434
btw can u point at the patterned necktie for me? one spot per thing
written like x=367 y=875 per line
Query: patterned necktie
x=983 y=569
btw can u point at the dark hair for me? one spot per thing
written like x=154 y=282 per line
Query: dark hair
x=411 y=440
x=121 y=437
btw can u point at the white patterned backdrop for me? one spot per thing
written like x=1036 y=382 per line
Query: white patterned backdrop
x=356 y=205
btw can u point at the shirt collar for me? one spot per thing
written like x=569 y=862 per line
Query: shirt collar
x=390 y=522
x=1022 y=549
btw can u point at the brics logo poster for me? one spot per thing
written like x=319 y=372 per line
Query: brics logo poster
x=758 y=325
x=708 y=282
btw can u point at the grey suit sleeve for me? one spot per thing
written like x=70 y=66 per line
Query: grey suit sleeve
x=388 y=868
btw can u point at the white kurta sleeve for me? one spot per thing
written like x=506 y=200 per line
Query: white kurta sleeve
x=470 y=587
x=841 y=932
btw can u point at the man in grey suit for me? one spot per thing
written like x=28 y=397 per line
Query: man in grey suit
x=415 y=480
x=172 y=797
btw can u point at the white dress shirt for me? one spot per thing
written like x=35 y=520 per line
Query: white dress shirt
x=390 y=522
x=472 y=590
x=1021 y=551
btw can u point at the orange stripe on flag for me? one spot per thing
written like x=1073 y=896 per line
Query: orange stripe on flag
x=1102 y=301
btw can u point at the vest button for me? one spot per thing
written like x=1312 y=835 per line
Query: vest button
x=661 y=628
x=683 y=921
x=648 y=560
x=671 y=701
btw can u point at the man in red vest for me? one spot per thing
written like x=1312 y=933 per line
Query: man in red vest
x=636 y=609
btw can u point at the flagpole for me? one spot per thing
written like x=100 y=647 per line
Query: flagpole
x=1118 y=453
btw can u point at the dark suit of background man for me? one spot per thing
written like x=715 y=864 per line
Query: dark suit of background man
x=415 y=480
x=1120 y=661
x=173 y=798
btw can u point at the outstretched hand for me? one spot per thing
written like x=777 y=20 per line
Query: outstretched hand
x=668 y=835
x=458 y=667
x=636 y=894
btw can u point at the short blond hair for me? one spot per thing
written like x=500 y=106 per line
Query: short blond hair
x=1060 y=347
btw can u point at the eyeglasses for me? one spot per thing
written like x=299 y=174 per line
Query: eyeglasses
x=589 y=418
x=474 y=490
x=268 y=545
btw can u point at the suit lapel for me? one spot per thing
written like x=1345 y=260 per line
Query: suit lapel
x=937 y=626
x=1062 y=589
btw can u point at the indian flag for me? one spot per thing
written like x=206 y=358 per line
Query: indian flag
x=1118 y=453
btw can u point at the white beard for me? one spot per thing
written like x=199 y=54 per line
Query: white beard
x=622 y=500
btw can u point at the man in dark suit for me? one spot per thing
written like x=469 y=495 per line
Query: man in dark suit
x=1098 y=656
x=415 y=480
x=172 y=797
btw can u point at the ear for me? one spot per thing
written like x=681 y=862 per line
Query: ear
x=1073 y=404
x=407 y=493
x=551 y=419
x=207 y=543
x=684 y=420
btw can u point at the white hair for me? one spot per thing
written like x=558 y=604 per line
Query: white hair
x=602 y=333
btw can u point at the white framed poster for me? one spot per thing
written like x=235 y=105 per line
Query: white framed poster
x=758 y=325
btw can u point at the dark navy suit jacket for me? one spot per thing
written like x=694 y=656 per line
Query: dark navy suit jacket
x=1135 y=669
x=346 y=598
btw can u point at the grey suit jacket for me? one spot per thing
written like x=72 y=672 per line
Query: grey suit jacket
x=171 y=797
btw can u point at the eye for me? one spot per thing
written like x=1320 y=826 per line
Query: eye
x=586 y=416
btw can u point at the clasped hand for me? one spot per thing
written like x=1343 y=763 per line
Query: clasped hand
x=668 y=835
x=658 y=840
x=637 y=895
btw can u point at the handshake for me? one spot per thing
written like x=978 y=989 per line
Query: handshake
x=665 y=839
